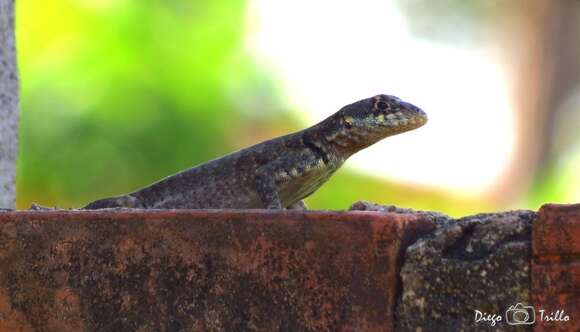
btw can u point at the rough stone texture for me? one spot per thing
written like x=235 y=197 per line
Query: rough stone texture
x=556 y=266
x=202 y=270
x=8 y=105
x=480 y=262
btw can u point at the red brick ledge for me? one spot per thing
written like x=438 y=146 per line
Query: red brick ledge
x=556 y=265
x=238 y=270
x=202 y=270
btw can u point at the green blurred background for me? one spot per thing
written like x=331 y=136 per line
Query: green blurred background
x=118 y=94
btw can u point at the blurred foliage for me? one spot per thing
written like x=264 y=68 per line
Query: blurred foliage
x=118 y=94
x=558 y=182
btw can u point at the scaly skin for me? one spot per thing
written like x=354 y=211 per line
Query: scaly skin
x=278 y=173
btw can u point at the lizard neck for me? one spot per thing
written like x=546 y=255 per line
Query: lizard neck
x=335 y=141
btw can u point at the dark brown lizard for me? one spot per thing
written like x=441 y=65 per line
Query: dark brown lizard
x=278 y=173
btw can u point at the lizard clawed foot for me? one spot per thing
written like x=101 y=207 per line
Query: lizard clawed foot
x=274 y=206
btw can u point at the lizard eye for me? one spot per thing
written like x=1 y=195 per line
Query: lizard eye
x=381 y=105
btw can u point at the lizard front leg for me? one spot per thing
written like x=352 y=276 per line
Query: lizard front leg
x=267 y=189
x=270 y=177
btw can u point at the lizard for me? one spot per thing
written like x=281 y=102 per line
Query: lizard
x=277 y=173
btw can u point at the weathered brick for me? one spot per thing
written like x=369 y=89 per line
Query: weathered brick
x=202 y=270
x=556 y=232
x=556 y=266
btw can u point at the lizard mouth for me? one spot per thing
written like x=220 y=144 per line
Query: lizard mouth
x=405 y=120
x=415 y=114
x=421 y=118
x=416 y=117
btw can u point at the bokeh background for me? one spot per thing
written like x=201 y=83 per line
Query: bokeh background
x=117 y=94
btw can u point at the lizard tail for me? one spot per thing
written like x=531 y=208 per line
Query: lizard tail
x=126 y=201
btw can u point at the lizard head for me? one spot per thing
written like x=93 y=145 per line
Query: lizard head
x=368 y=121
x=382 y=115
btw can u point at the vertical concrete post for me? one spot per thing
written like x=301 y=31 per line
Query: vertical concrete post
x=8 y=105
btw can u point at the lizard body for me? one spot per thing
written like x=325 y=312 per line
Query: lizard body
x=280 y=172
